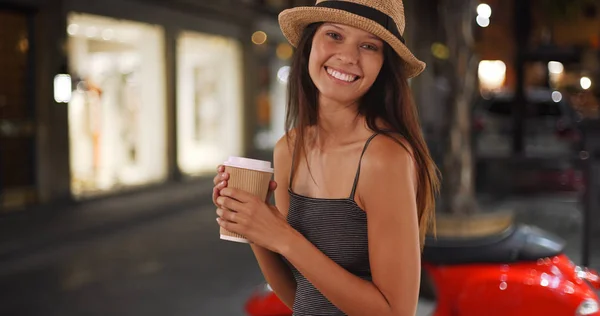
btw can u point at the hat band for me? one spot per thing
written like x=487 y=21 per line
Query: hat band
x=367 y=12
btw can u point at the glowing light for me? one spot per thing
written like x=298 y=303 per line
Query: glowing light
x=492 y=74
x=440 y=50
x=283 y=74
x=62 y=88
x=259 y=37
x=556 y=96
x=555 y=67
x=484 y=10
x=585 y=83
x=284 y=51
x=72 y=29
x=483 y=21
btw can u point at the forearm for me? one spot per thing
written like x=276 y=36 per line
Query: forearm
x=351 y=294
x=277 y=274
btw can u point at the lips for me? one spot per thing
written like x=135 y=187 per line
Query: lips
x=341 y=75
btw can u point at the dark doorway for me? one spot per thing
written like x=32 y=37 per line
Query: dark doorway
x=17 y=115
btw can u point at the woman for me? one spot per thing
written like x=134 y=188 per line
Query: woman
x=354 y=183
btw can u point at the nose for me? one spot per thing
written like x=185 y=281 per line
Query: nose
x=348 y=54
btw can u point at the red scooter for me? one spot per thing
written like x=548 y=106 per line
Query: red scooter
x=521 y=271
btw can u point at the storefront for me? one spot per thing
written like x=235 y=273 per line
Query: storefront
x=117 y=121
x=124 y=94
x=209 y=101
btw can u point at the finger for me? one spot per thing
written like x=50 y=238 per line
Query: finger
x=221 y=185
x=227 y=215
x=229 y=226
x=272 y=188
x=215 y=195
x=220 y=177
x=216 y=191
x=230 y=204
x=236 y=194
x=220 y=168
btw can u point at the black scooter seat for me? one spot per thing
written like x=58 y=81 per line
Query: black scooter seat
x=517 y=243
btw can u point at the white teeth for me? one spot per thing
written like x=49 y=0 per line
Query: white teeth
x=341 y=76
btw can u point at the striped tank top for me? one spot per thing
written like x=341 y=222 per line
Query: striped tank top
x=338 y=228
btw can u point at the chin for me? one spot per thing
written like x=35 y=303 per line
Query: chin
x=339 y=96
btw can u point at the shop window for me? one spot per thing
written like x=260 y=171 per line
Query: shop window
x=209 y=101
x=117 y=121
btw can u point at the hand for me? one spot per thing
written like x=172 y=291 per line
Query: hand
x=245 y=214
x=220 y=182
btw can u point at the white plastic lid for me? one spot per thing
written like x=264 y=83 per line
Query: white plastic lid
x=247 y=163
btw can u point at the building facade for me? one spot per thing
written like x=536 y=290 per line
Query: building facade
x=98 y=97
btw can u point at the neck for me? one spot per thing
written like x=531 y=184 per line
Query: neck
x=338 y=122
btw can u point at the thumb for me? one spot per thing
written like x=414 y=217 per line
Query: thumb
x=272 y=187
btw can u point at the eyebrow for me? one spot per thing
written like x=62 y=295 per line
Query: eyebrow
x=371 y=36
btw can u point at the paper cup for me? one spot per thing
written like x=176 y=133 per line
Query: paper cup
x=250 y=175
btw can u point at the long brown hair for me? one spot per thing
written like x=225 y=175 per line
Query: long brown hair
x=389 y=100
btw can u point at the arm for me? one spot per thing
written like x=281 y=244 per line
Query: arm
x=388 y=194
x=275 y=271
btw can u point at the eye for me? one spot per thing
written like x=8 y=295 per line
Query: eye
x=334 y=35
x=371 y=47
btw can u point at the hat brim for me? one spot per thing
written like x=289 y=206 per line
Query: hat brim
x=294 y=21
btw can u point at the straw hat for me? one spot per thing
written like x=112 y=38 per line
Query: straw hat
x=383 y=18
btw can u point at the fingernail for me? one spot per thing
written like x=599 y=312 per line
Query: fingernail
x=218 y=220
x=222 y=183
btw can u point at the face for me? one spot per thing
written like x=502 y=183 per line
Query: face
x=344 y=62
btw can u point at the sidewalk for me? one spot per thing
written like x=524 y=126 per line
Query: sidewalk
x=46 y=226
x=49 y=225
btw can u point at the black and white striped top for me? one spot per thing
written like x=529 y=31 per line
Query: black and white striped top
x=338 y=228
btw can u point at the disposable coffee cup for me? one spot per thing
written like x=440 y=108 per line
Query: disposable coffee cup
x=250 y=175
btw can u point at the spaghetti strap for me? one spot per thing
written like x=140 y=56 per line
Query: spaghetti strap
x=293 y=165
x=359 y=161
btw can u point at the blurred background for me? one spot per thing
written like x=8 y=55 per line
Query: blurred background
x=115 y=113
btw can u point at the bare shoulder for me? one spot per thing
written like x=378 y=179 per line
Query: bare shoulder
x=388 y=153
x=283 y=150
x=282 y=158
x=388 y=167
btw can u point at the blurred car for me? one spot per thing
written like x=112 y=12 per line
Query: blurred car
x=550 y=124
x=264 y=302
x=469 y=277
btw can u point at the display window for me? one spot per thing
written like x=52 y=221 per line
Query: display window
x=117 y=113
x=209 y=101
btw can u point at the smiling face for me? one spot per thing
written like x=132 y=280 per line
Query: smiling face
x=344 y=62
